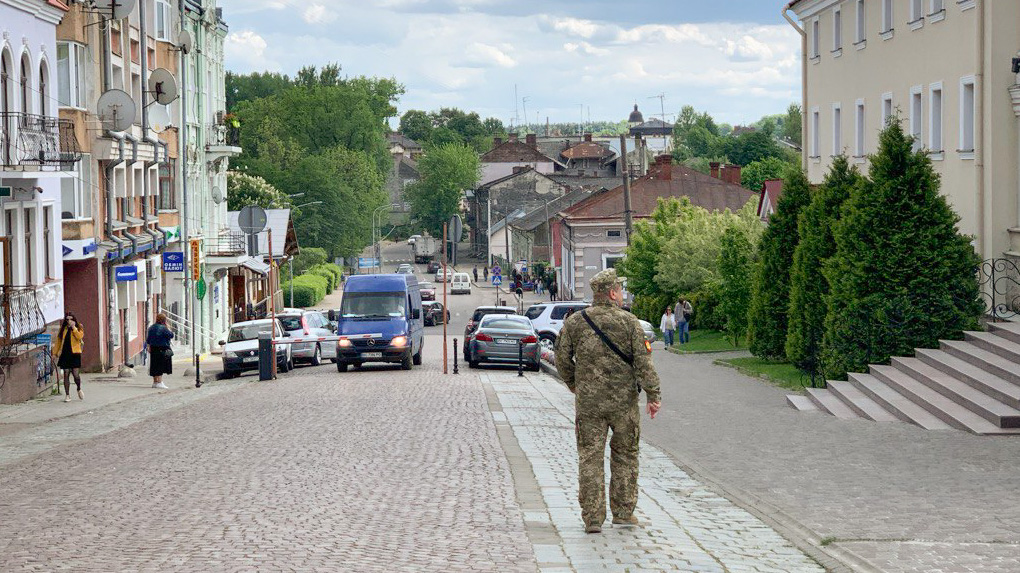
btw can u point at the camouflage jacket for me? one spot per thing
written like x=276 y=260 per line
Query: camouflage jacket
x=601 y=380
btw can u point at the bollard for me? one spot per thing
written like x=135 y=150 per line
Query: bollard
x=520 y=358
x=198 y=371
x=266 y=356
x=455 y=356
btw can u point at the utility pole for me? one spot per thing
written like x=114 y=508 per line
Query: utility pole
x=445 y=281
x=628 y=214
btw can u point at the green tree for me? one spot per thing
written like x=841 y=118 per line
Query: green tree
x=417 y=125
x=735 y=267
x=310 y=77
x=647 y=243
x=244 y=189
x=903 y=277
x=747 y=148
x=756 y=173
x=808 y=287
x=247 y=87
x=770 y=298
x=446 y=171
x=308 y=258
x=793 y=123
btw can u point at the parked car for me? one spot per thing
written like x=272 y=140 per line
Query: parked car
x=441 y=277
x=461 y=284
x=498 y=339
x=308 y=323
x=380 y=321
x=548 y=318
x=428 y=291
x=649 y=331
x=433 y=267
x=476 y=317
x=432 y=313
x=241 y=348
x=405 y=269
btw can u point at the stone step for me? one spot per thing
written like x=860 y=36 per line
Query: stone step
x=959 y=392
x=896 y=403
x=1007 y=330
x=802 y=403
x=859 y=402
x=987 y=361
x=827 y=402
x=936 y=404
x=1004 y=347
x=984 y=381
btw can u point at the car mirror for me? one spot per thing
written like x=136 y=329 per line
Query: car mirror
x=223 y=343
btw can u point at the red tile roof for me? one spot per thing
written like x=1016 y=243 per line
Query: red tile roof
x=58 y=4
x=663 y=181
x=586 y=150
x=515 y=152
x=771 y=190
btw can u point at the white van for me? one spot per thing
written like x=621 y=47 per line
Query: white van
x=461 y=284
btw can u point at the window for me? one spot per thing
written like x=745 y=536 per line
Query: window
x=29 y=246
x=887 y=109
x=967 y=110
x=862 y=23
x=560 y=312
x=614 y=233
x=816 y=124
x=935 y=118
x=816 y=38
x=837 y=30
x=24 y=87
x=167 y=199
x=44 y=90
x=916 y=14
x=917 y=116
x=163 y=20
x=12 y=245
x=76 y=192
x=837 y=129
x=859 y=147
x=47 y=225
x=937 y=6
x=609 y=261
x=71 y=64
x=887 y=17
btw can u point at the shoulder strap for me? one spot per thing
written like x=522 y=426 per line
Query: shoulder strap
x=628 y=359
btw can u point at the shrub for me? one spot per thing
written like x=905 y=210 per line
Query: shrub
x=705 y=303
x=308 y=290
x=320 y=271
x=735 y=266
x=308 y=258
x=651 y=307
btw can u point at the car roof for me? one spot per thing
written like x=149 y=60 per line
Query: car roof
x=510 y=308
x=258 y=322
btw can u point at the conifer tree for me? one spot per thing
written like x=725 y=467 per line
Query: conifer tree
x=903 y=276
x=770 y=298
x=808 y=287
x=735 y=267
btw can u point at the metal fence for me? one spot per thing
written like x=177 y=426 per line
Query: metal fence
x=37 y=140
x=20 y=316
x=1000 y=288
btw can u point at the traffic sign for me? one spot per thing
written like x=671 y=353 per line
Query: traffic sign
x=252 y=219
x=497 y=280
x=456 y=228
x=496 y=270
x=200 y=288
x=173 y=262
x=368 y=262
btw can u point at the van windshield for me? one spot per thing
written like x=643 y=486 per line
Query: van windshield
x=373 y=305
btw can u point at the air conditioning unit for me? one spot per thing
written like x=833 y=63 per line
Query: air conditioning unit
x=219 y=117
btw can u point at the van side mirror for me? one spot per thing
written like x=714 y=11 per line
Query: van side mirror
x=223 y=343
x=415 y=313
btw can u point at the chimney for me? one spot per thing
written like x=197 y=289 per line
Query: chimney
x=731 y=174
x=497 y=141
x=587 y=137
x=513 y=138
x=714 y=166
x=664 y=165
x=532 y=140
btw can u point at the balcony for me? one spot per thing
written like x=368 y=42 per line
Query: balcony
x=33 y=143
x=224 y=141
x=20 y=316
x=226 y=244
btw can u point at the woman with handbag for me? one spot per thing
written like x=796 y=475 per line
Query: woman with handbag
x=67 y=351
x=158 y=340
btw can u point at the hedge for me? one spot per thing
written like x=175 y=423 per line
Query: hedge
x=328 y=276
x=308 y=290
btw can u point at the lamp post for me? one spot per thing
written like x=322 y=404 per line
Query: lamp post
x=292 y=258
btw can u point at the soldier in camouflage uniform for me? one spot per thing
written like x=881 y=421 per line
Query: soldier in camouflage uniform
x=606 y=398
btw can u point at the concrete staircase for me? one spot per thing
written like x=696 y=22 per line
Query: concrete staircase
x=973 y=385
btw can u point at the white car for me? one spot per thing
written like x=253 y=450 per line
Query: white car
x=548 y=318
x=442 y=278
x=461 y=284
x=241 y=348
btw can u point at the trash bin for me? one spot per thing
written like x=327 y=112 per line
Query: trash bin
x=266 y=356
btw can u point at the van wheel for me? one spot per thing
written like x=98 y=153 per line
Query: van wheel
x=416 y=359
x=317 y=356
x=341 y=367
x=406 y=362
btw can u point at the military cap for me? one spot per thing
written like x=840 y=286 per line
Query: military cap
x=605 y=280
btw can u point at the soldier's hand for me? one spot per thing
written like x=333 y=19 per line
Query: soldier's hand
x=653 y=409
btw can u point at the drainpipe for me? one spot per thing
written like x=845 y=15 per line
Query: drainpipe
x=134 y=159
x=146 y=137
x=803 y=82
x=979 y=135
x=110 y=279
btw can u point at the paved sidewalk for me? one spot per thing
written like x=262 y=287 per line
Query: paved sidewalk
x=685 y=526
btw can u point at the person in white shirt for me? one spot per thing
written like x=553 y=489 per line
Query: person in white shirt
x=667 y=325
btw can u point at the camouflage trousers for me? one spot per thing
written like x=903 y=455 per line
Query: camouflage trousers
x=591 y=430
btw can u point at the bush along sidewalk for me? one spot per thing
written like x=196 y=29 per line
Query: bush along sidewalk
x=313 y=285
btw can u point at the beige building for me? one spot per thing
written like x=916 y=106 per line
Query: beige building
x=946 y=69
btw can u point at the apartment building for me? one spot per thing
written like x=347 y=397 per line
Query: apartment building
x=947 y=70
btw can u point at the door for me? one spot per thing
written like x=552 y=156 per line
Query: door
x=238 y=298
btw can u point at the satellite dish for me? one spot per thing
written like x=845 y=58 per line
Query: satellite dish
x=116 y=9
x=217 y=194
x=163 y=84
x=159 y=118
x=184 y=41
x=116 y=110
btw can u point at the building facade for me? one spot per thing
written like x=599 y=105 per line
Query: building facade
x=946 y=69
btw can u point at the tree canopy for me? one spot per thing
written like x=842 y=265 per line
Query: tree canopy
x=244 y=189
x=446 y=171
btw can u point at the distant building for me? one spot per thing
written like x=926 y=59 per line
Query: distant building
x=507 y=156
x=771 y=192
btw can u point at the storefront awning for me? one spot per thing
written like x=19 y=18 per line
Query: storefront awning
x=255 y=265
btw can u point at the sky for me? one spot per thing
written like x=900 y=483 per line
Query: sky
x=569 y=60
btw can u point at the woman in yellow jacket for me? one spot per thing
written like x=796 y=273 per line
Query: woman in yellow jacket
x=67 y=350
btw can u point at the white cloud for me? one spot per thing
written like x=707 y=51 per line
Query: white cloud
x=318 y=14
x=586 y=48
x=485 y=55
x=247 y=48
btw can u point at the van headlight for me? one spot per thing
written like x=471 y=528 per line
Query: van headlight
x=399 y=342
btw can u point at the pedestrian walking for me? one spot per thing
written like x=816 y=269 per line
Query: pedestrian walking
x=682 y=312
x=67 y=351
x=553 y=290
x=603 y=358
x=474 y=271
x=158 y=340
x=485 y=273
x=667 y=324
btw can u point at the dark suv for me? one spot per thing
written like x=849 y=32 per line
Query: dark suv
x=476 y=317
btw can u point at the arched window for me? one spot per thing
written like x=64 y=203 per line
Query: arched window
x=26 y=101
x=44 y=89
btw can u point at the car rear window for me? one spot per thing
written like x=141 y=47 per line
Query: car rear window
x=479 y=313
x=561 y=311
x=507 y=324
x=291 y=322
x=534 y=312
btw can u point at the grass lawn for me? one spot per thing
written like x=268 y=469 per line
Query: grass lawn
x=782 y=374
x=703 y=341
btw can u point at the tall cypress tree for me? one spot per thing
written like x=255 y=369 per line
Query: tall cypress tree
x=903 y=276
x=770 y=295
x=808 y=287
x=735 y=266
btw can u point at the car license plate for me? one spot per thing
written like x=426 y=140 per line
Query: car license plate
x=251 y=359
x=505 y=341
x=371 y=354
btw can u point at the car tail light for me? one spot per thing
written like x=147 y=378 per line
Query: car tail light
x=529 y=339
x=482 y=337
x=304 y=325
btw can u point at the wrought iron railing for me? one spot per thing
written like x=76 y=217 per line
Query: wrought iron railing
x=28 y=140
x=1000 y=288
x=225 y=135
x=20 y=316
x=226 y=243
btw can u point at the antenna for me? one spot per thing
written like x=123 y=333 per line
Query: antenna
x=116 y=110
x=115 y=9
x=159 y=119
x=185 y=41
x=163 y=84
x=517 y=117
x=662 y=106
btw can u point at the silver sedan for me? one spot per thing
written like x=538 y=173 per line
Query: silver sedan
x=500 y=339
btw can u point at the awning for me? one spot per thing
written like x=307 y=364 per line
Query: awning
x=255 y=265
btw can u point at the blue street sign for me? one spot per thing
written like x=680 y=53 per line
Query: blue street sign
x=496 y=270
x=173 y=262
x=497 y=280
x=126 y=273
x=368 y=262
